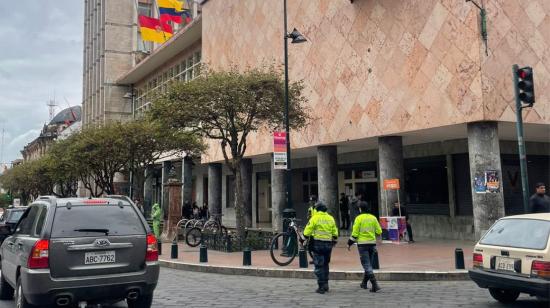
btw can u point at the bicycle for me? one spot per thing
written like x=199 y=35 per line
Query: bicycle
x=286 y=245
x=193 y=237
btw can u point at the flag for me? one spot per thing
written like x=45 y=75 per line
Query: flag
x=154 y=30
x=172 y=10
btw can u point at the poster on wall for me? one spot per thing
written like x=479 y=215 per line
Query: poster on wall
x=492 y=181
x=487 y=182
x=480 y=186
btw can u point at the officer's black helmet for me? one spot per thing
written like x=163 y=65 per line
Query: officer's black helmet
x=321 y=207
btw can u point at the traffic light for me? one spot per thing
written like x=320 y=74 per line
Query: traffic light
x=526 y=85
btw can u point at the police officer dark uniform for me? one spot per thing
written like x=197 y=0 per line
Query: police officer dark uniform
x=322 y=228
x=364 y=231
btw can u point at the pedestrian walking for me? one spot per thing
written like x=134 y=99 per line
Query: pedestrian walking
x=186 y=210
x=396 y=211
x=354 y=206
x=344 y=211
x=539 y=202
x=204 y=211
x=196 y=211
x=156 y=215
x=364 y=231
x=323 y=233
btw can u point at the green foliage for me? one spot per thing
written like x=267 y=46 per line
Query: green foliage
x=94 y=156
x=29 y=179
x=228 y=106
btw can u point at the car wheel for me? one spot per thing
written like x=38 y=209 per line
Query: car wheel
x=144 y=301
x=20 y=300
x=6 y=291
x=504 y=296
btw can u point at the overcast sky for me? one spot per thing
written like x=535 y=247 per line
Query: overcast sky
x=41 y=53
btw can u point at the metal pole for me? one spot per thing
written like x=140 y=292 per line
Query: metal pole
x=521 y=143
x=287 y=122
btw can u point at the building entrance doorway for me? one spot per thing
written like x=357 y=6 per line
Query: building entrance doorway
x=369 y=191
x=263 y=199
x=360 y=178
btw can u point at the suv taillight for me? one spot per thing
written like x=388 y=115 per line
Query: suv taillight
x=540 y=269
x=39 y=256
x=477 y=260
x=152 y=253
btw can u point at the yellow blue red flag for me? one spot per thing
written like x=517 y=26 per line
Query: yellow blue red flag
x=173 y=10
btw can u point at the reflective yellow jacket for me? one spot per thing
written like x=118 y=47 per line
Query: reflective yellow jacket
x=322 y=227
x=365 y=228
x=311 y=211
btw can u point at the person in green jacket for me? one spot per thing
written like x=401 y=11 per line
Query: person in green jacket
x=322 y=228
x=364 y=232
x=156 y=214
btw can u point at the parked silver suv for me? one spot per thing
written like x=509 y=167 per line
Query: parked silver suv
x=69 y=251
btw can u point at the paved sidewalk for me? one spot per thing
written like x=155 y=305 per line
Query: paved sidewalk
x=423 y=255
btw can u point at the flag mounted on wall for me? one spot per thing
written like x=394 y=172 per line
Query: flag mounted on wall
x=154 y=30
x=173 y=10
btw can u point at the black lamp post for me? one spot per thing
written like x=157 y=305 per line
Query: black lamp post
x=296 y=37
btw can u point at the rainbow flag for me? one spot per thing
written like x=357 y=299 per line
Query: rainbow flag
x=154 y=30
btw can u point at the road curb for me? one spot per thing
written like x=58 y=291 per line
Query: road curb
x=382 y=275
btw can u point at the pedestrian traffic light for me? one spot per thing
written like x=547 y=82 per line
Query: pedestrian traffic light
x=526 y=86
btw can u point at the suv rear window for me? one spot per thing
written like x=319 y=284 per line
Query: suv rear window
x=117 y=220
x=15 y=215
x=518 y=233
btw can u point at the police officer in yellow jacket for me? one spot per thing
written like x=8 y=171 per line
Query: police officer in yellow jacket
x=322 y=228
x=364 y=232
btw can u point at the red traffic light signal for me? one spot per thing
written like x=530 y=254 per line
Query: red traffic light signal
x=526 y=85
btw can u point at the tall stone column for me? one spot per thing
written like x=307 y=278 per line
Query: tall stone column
x=390 y=163
x=215 y=188
x=484 y=154
x=166 y=167
x=246 y=174
x=186 y=180
x=148 y=189
x=278 y=196
x=327 y=178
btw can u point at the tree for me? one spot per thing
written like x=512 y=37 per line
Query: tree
x=28 y=180
x=97 y=154
x=147 y=141
x=227 y=106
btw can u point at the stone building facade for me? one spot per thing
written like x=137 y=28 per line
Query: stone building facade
x=397 y=89
x=110 y=46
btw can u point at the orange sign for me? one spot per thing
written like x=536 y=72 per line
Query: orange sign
x=391 y=184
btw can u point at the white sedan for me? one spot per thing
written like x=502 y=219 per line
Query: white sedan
x=513 y=257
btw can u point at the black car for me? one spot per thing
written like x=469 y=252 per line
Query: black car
x=9 y=219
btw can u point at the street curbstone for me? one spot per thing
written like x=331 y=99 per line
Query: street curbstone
x=382 y=275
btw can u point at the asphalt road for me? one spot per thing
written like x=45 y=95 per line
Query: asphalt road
x=190 y=289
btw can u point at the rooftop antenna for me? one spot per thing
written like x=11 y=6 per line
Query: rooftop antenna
x=51 y=107
x=2 y=149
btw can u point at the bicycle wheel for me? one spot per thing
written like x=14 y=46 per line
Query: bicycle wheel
x=193 y=237
x=283 y=248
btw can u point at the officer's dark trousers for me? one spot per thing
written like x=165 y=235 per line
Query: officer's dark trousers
x=366 y=254
x=321 y=259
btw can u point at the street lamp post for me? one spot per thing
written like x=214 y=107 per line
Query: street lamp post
x=131 y=95
x=296 y=37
